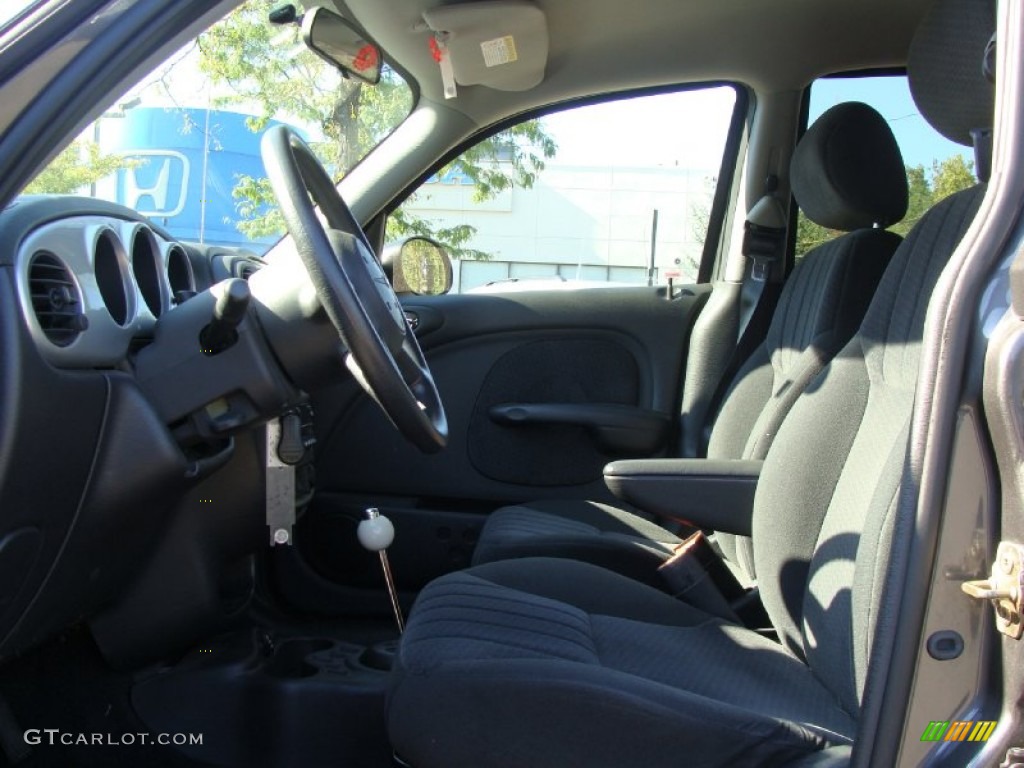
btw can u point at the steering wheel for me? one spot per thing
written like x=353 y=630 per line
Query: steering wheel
x=382 y=351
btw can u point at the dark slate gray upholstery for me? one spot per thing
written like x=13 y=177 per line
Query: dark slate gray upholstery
x=510 y=656
x=819 y=309
x=552 y=662
x=821 y=533
x=593 y=532
x=831 y=290
x=843 y=169
x=946 y=76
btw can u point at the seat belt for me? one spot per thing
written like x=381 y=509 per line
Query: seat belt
x=764 y=238
x=764 y=242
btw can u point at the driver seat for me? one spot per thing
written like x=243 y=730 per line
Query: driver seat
x=553 y=662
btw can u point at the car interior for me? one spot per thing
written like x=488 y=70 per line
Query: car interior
x=292 y=501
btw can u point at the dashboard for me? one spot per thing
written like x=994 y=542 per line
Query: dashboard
x=101 y=312
x=90 y=284
x=93 y=278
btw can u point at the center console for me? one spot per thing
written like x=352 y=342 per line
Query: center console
x=262 y=699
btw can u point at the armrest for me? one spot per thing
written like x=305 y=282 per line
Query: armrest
x=617 y=428
x=710 y=493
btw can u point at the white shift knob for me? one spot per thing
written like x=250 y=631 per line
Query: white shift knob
x=376 y=532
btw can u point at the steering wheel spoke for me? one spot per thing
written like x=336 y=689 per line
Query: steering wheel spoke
x=383 y=354
x=409 y=365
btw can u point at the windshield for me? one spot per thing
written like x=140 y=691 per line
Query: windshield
x=182 y=147
x=10 y=9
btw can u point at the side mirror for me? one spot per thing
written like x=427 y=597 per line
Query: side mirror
x=418 y=265
x=335 y=40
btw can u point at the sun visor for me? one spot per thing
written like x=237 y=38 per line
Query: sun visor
x=501 y=44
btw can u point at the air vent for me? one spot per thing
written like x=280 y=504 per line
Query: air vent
x=110 y=276
x=146 y=268
x=56 y=300
x=179 y=275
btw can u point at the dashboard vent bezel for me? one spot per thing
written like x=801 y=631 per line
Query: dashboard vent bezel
x=110 y=269
x=148 y=270
x=60 y=315
x=180 y=277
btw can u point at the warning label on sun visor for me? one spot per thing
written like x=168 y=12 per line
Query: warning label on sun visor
x=501 y=50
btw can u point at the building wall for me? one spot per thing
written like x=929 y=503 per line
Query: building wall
x=184 y=165
x=577 y=222
x=590 y=223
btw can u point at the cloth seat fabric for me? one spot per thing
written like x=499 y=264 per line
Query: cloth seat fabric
x=554 y=662
x=551 y=651
x=847 y=173
x=614 y=538
x=547 y=662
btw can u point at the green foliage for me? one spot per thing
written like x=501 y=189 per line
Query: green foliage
x=266 y=69
x=926 y=187
x=257 y=208
x=424 y=269
x=402 y=225
x=513 y=157
x=517 y=147
x=80 y=164
x=810 y=235
x=920 y=197
x=951 y=175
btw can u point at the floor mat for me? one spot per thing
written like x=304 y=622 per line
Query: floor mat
x=63 y=691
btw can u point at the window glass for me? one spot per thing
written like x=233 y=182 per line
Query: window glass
x=10 y=9
x=936 y=167
x=182 y=147
x=617 y=193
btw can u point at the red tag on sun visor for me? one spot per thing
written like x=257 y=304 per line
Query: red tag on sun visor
x=439 y=51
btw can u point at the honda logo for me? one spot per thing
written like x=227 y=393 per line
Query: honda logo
x=155 y=183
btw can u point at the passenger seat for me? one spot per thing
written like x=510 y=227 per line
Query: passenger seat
x=847 y=174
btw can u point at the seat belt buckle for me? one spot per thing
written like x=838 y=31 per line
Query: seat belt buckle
x=690 y=575
x=764 y=236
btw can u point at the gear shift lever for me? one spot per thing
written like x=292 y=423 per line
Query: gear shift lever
x=376 y=533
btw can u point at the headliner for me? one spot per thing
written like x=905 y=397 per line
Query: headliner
x=603 y=46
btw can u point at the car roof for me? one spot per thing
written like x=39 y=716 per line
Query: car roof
x=605 y=46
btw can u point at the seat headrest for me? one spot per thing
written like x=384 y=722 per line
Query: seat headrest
x=847 y=171
x=945 y=67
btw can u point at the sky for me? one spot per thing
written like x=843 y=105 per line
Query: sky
x=919 y=142
x=685 y=129
x=688 y=128
x=10 y=8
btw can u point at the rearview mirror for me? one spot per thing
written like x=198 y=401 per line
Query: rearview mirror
x=335 y=40
x=420 y=266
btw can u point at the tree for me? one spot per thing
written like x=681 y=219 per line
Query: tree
x=259 y=67
x=810 y=234
x=79 y=165
x=920 y=198
x=951 y=175
x=925 y=188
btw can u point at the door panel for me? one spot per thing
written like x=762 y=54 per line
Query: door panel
x=542 y=388
x=623 y=347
